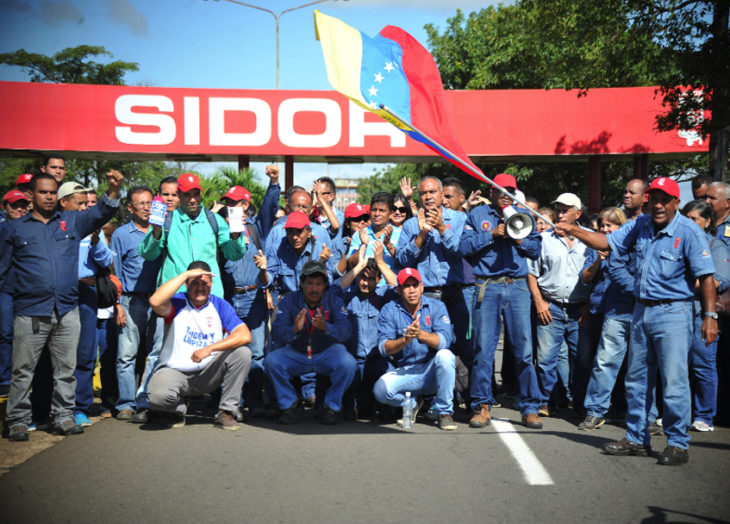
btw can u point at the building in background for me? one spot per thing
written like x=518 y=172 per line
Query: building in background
x=346 y=192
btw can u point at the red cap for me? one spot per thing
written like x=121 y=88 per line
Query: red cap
x=407 y=273
x=505 y=180
x=297 y=220
x=669 y=186
x=238 y=193
x=14 y=195
x=356 y=210
x=24 y=179
x=188 y=182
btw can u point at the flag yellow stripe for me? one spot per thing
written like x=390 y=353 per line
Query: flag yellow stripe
x=342 y=49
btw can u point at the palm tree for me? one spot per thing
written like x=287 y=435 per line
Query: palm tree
x=247 y=178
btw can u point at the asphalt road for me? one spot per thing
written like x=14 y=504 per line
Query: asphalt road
x=363 y=472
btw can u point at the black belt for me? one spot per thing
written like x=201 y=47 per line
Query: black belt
x=241 y=290
x=565 y=304
x=433 y=289
x=138 y=294
x=651 y=303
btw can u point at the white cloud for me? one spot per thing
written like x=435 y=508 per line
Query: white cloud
x=124 y=13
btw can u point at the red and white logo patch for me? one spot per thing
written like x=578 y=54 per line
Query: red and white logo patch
x=486 y=226
x=62 y=225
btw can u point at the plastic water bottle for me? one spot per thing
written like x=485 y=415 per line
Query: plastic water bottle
x=408 y=411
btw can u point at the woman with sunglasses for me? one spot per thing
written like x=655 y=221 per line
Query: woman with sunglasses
x=703 y=358
x=357 y=216
x=401 y=210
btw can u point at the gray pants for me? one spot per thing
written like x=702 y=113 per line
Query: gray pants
x=168 y=387
x=31 y=335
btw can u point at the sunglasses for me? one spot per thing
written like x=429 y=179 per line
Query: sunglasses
x=361 y=218
x=397 y=209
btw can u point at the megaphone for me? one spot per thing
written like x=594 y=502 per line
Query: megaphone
x=517 y=223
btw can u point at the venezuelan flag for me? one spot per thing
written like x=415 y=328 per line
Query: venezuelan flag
x=395 y=77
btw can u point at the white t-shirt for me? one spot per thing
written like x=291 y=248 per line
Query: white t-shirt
x=192 y=329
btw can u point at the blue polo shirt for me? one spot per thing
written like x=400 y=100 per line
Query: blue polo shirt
x=92 y=257
x=667 y=262
x=395 y=318
x=44 y=257
x=496 y=257
x=136 y=274
x=439 y=260
x=284 y=265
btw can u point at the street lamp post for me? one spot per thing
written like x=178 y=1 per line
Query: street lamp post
x=277 y=18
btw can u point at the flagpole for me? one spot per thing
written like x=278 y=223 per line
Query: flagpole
x=465 y=165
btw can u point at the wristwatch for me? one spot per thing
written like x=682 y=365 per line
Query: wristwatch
x=711 y=314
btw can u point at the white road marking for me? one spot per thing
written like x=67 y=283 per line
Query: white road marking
x=532 y=469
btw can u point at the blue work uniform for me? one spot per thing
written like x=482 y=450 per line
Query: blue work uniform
x=500 y=268
x=668 y=262
x=420 y=369
x=247 y=295
x=311 y=350
x=389 y=260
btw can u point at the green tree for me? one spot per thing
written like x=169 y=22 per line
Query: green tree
x=246 y=178
x=73 y=65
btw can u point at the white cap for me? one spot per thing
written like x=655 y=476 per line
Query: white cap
x=569 y=199
x=70 y=188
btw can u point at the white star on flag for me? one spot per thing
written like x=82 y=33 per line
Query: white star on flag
x=373 y=91
x=389 y=66
x=378 y=78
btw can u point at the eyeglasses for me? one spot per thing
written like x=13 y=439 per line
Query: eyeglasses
x=141 y=205
x=399 y=209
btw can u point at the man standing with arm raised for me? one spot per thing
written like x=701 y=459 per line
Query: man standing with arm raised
x=671 y=253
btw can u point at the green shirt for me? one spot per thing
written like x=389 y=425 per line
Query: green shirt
x=191 y=239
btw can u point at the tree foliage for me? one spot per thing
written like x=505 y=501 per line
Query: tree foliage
x=73 y=65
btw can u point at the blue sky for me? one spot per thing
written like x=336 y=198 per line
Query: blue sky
x=211 y=43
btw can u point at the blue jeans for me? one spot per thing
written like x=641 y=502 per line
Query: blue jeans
x=437 y=377
x=661 y=337
x=143 y=330
x=6 y=337
x=589 y=336
x=703 y=369
x=563 y=328
x=513 y=302
x=86 y=349
x=284 y=363
x=609 y=358
x=251 y=308
x=459 y=302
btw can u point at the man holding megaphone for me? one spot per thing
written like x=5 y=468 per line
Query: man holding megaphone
x=500 y=247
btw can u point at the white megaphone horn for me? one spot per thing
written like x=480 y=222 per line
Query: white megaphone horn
x=517 y=223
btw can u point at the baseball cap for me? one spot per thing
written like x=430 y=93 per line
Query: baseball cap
x=314 y=267
x=238 y=193
x=405 y=274
x=24 y=179
x=14 y=195
x=297 y=220
x=505 y=180
x=70 y=188
x=569 y=199
x=669 y=186
x=187 y=182
x=356 y=210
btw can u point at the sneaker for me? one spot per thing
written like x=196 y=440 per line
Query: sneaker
x=178 y=420
x=543 y=411
x=532 y=421
x=67 y=427
x=590 y=423
x=431 y=415
x=18 y=433
x=125 y=415
x=446 y=422
x=327 y=416
x=4 y=390
x=141 y=416
x=32 y=427
x=655 y=428
x=482 y=417
x=418 y=407
x=225 y=420
x=700 y=425
x=82 y=419
x=105 y=413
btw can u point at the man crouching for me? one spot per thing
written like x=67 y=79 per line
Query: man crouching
x=195 y=357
